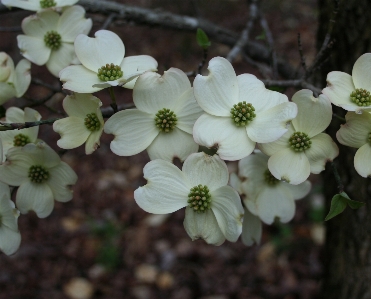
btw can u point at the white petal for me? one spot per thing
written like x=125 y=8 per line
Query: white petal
x=93 y=141
x=203 y=169
x=39 y=24
x=323 y=150
x=253 y=91
x=22 y=77
x=217 y=92
x=31 y=115
x=228 y=211
x=134 y=131
x=33 y=49
x=361 y=72
x=354 y=132
x=314 y=114
x=60 y=59
x=220 y=132
x=15 y=170
x=251 y=229
x=106 y=47
x=27 y=5
x=36 y=197
x=9 y=240
x=235 y=182
x=79 y=79
x=7 y=91
x=298 y=191
x=253 y=166
x=166 y=190
x=271 y=124
x=167 y=146
x=41 y=154
x=362 y=161
x=275 y=202
x=61 y=178
x=72 y=130
x=187 y=111
x=289 y=166
x=204 y=226
x=72 y=22
x=154 y=92
x=133 y=66
x=339 y=87
x=63 y=3
x=80 y=105
x=272 y=147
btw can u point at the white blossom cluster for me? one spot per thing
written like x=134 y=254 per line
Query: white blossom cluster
x=278 y=142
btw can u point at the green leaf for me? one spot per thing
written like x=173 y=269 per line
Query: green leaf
x=261 y=36
x=338 y=205
x=277 y=88
x=353 y=204
x=202 y=39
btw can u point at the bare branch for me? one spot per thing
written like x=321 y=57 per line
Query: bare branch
x=37 y=81
x=269 y=36
x=18 y=126
x=242 y=41
x=292 y=83
x=109 y=20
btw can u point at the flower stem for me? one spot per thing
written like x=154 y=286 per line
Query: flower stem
x=113 y=98
x=337 y=177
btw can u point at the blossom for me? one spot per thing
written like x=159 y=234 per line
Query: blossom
x=49 y=37
x=163 y=122
x=13 y=81
x=303 y=149
x=103 y=64
x=40 y=175
x=37 y=5
x=84 y=124
x=11 y=138
x=10 y=238
x=239 y=111
x=356 y=132
x=351 y=92
x=265 y=196
x=213 y=209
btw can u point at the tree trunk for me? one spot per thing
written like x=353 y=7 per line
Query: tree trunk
x=347 y=253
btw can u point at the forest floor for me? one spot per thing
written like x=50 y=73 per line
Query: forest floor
x=102 y=245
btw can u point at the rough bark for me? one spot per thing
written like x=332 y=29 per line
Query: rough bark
x=347 y=253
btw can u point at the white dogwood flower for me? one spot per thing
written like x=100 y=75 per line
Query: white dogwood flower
x=40 y=175
x=11 y=138
x=84 y=123
x=304 y=149
x=163 y=122
x=265 y=196
x=10 y=238
x=37 y=5
x=103 y=64
x=49 y=37
x=351 y=92
x=240 y=111
x=213 y=209
x=14 y=82
x=356 y=132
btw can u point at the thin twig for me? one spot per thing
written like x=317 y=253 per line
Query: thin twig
x=269 y=37
x=337 y=177
x=37 y=81
x=302 y=58
x=11 y=29
x=242 y=41
x=293 y=83
x=18 y=126
x=109 y=20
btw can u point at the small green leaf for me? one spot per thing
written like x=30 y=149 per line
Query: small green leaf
x=338 y=205
x=353 y=204
x=261 y=36
x=202 y=39
x=277 y=88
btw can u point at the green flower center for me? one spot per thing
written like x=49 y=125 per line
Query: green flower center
x=269 y=178
x=199 y=199
x=21 y=140
x=47 y=3
x=52 y=40
x=361 y=97
x=242 y=113
x=92 y=122
x=110 y=72
x=38 y=174
x=299 y=142
x=165 y=120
